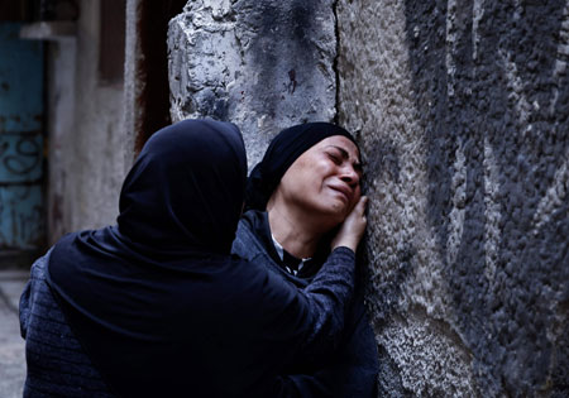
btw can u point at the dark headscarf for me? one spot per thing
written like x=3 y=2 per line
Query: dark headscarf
x=186 y=189
x=282 y=152
x=157 y=302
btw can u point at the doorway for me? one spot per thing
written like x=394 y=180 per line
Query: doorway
x=22 y=221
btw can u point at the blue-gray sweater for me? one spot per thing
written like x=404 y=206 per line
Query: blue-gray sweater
x=57 y=366
x=353 y=370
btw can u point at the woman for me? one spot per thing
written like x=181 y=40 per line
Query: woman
x=156 y=306
x=304 y=188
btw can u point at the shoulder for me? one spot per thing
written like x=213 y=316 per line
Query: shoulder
x=38 y=270
x=247 y=244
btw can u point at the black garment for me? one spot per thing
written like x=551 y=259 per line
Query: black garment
x=282 y=152
x=160 y=306
x=350 y=371
x=56 y=363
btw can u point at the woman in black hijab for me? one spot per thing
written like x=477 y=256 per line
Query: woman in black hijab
x=155 y=306
x=324 y=157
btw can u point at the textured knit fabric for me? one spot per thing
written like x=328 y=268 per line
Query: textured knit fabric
x=351 y=371
x=57 y=365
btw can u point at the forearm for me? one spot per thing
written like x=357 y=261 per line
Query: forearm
x=328 y=297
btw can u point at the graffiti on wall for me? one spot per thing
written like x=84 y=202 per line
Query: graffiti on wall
x=20 y=190
x=21 y=140
x=20 y=157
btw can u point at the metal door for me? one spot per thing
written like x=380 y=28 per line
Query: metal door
x=21 y=140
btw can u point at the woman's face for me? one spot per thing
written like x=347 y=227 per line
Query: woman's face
x=325 y=179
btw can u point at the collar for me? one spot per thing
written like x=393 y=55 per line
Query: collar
x=258 y=222
x=281 y=254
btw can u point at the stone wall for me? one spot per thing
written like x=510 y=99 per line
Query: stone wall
x=263 y=64
x=461 y=111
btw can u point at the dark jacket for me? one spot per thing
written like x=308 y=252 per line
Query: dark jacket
x=350 y=372
x=57 y=365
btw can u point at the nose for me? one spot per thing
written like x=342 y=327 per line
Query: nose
x=350 y=176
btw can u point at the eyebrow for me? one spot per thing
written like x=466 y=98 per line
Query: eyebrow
x=357 y=165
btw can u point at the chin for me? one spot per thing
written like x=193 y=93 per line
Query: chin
x=331 y=209
x=338 y=211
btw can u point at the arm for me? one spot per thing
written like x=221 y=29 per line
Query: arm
x=351 y=372
x=291 y=326
x=327 y=298
x=310 y=322
x=306 y=327
x=27 y=298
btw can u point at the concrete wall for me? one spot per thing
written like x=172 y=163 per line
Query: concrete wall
x=134 y=80
x=60 y=96
x=89 y=156
x=461 y=110
x=262 y=64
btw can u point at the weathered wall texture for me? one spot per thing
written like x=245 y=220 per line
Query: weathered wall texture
x=262 y=64
x=87 y=162
x=461 y=108
x=134 y=83
x=60 y=127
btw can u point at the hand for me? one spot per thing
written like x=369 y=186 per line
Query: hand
x=353 y=227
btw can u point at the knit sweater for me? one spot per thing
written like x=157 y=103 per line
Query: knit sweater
x=351 y=371
x=57 y=365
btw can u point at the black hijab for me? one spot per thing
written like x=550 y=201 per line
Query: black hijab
x=186 y=189
x=157 y=302
x=282 y=152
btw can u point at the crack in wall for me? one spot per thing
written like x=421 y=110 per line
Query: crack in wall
x=335 y=62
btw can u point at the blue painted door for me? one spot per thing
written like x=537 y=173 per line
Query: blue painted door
x=21 y=140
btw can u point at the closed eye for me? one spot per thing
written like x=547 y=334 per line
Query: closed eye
x=335 y=158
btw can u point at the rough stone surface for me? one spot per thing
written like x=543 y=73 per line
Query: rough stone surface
x=134 y=80
x=261 y=64
x=461 y=109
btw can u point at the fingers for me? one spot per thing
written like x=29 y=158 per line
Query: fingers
x=361 y=206
x=358 y=214
x=362 y=212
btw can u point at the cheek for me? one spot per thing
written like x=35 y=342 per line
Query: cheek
x=316 y=174
x=299 y=184
x=307 y=181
